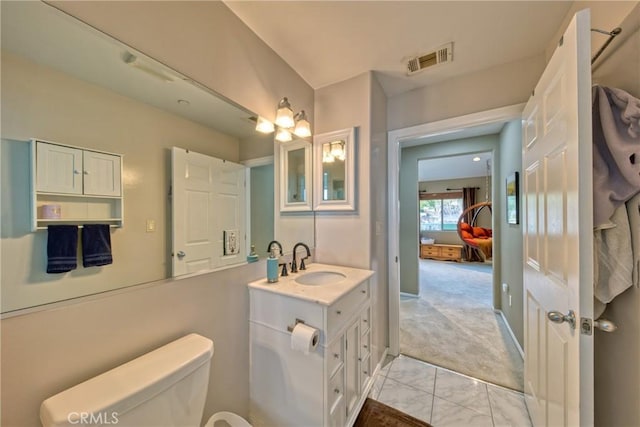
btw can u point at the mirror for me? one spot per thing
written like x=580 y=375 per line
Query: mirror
x=66 y=82
x=334 y=178
x=295 y=178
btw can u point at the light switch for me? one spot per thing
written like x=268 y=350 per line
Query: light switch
x=151 y=226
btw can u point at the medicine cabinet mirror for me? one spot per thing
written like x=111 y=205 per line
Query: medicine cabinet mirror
x=334 y=166
x=295 y=176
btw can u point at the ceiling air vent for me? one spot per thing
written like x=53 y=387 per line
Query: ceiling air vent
x=441 y=55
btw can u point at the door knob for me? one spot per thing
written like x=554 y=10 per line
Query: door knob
x=558 y=317
x=181 y=254
x=605 y=325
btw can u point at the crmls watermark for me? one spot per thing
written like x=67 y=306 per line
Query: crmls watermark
x=89 y=418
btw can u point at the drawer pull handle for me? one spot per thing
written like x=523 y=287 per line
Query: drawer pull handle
x=336 y=390
x=336 y=355
x=338 y=312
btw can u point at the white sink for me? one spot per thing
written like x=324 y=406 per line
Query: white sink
x=315 y=278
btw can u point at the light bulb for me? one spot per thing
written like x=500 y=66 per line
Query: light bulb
x=284 y=115
x=283 y=135
x=264 y=126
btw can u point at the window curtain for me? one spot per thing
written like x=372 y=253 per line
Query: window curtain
x=468 y=200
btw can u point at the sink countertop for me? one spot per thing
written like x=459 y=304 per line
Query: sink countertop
x=321 y=294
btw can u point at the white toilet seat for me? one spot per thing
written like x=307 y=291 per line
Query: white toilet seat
x=234 y=420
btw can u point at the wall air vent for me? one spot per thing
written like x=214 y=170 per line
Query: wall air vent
x=441 y=55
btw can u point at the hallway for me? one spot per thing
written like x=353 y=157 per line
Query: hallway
x=452 y=324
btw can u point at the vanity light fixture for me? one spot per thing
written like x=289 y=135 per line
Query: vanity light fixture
x=337 y=150
x=284 y=115
x=303 y=129
x=283 y=135
x=264 y=126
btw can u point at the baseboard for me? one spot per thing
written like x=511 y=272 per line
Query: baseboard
x=513 y=336
x=406 y=294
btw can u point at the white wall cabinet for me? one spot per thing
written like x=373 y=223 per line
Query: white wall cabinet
x=326 y=387
x=86 y=185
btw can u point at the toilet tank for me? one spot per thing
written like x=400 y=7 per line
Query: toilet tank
x=166 y=387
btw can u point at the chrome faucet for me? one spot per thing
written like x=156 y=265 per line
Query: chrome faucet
x=283 y=265
x=294 y=264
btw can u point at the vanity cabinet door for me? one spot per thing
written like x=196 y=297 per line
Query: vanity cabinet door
x=102 y=174
x=59 y=169
x=352 y=365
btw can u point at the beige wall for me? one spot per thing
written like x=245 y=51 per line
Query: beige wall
x=48 y=351
x=340 y=106
x=378 y=224
x=495 y=87
x=617 y=355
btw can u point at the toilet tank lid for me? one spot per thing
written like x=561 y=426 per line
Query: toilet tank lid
x=130 y=384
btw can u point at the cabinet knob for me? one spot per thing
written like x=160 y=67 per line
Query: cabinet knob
x=365 y=372
x=336 y=355
x=76 y=172
x=363 y=291
x=359 y=359
x=336 y=390
x=85 y=172
x=365 y=320
x=338 y=312
x=365 y=346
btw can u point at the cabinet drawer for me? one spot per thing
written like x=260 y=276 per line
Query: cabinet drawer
x=342 y=310
x=429 y=251
x=450 y=252
x=335 y=355
x=335 y=390
x=365 y=322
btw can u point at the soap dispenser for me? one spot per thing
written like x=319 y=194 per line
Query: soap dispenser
x=272 y=267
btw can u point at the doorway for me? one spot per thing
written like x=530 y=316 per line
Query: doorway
x=474 y=125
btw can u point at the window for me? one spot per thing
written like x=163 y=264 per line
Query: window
x=440 y=211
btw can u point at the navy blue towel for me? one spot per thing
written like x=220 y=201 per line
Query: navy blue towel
x=62 y=248
x=96 y=245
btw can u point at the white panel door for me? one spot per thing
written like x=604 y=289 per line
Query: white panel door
x=193 y=189
x=102 y=174
x=58 y=169
x=558 y=240
x=230 y=209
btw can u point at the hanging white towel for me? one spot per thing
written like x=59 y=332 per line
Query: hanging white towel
x=614 y=261
x=633 y=211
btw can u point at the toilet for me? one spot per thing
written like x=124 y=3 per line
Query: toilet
x=166 y=387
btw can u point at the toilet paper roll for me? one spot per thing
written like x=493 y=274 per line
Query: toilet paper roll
x=304 y=338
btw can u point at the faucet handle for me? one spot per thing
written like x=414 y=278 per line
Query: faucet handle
x=294 y=266
x=302 y=266
x=284 y=270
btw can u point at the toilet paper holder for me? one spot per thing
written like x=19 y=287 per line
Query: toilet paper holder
x=290 y=328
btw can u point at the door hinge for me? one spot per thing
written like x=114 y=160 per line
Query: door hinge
x=586 y=326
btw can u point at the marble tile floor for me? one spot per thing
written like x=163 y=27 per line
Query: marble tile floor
x=445 y=398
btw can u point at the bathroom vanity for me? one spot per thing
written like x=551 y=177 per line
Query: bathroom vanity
x=327 y=386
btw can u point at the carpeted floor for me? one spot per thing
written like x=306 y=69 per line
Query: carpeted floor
x=452 y=324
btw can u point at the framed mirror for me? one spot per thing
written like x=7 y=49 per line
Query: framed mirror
x=295 y=176
x=334 y=170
